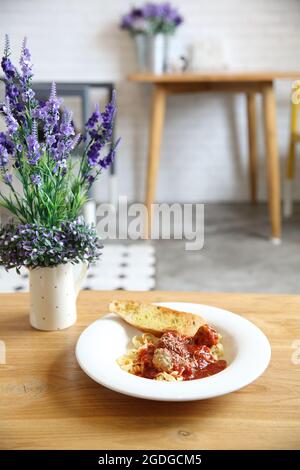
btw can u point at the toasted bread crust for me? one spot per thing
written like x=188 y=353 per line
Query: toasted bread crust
x=156 y=320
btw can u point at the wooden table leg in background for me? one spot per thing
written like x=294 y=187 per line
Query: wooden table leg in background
x=273 y=169
x=156 y=129
x=251 y=111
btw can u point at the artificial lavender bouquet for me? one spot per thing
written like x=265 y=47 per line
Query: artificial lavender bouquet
x=47 y=234
x=36 y=148
x=152 y=18
x=152 y=27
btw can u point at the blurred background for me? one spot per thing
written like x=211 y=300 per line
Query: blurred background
x=204 y=152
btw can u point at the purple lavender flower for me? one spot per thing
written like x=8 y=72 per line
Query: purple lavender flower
x=8 y=68
x=137 y=13
x=93 y=153
x=94 y=119
x=50 y=140
x=3 y=157
x=36 y=179
x=107 y=161
x=66 y=126
x=91 y=179
x=28 y=94
x=20 y=108
x=127 y=21
x=134 y=20
x=178 y=20
x=34 y=149
x=107 y=118
x=12 y=91
x=12 y=124
x=167 y=10
x=50 y=111
x=18 y=91
x=40 y=111
x=60 y=165
x=61 y=144
x=53 y=102
x=24 y=115
x=7 y=178
x=100 y=127
x=25 y=61
x=2 y=138
x=152 y=18
x=7 y=143
x=151 y=10
x=50 y=121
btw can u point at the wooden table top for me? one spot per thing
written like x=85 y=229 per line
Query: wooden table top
x=47 y=402
x=223 y=76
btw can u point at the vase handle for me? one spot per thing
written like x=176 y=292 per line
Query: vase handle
x=82 y=274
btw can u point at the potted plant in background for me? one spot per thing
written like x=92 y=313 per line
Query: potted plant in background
x=151 y=26
x=47 y=234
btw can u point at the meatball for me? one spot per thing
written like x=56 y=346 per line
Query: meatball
x=206 y=336
x=162 y=360
x=175 y=343
x=168 y=361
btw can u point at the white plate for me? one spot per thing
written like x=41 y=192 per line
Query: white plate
x=247 y=351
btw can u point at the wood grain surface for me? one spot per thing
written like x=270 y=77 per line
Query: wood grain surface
x=232 y=76
x=47 y=402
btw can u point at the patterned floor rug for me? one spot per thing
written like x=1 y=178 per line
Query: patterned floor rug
x=127 y=267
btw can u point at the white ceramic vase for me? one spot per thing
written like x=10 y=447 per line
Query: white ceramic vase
x=168 y=40
x=141 y=51
x=156 y=53
x=53 y=294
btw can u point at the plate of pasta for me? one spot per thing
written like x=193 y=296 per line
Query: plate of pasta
x=172 y=351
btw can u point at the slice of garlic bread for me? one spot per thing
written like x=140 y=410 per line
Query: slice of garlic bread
x=156 y=320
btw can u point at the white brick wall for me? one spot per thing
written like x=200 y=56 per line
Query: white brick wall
x=204 y=153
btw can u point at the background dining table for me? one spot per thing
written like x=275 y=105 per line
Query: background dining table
x=248 y=83
x=47 y=401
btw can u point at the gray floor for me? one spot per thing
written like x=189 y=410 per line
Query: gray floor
x=237 y=254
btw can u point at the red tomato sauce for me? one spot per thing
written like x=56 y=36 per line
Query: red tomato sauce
x=190 y=357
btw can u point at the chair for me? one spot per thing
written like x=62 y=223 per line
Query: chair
x=294 y=139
